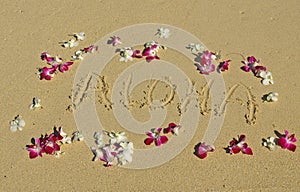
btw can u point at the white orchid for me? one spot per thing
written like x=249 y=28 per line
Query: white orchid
x=79 y=36
x=77 y=136
x=35 y=103
x=17 y=124
x=270 y=143
x=71 y=43
x=195 y=47
x=163 y=32
x=266 y=76
x=272 y=97
x=78 y=55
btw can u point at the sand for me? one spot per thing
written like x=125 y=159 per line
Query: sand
x=267 y=29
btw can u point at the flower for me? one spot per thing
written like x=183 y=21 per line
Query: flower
x=150 y=50
x=270 y=143
x=127 y=54
x=271 y=97
x=35 y=103
x=65 y=138
x=35 y=148
x=117 y=137
x=205 y=59
x=194 y=47
x=163 y=32
x=50 y=60
x=17 y=124
x=287 y=141
x=115 y=41
x=235 y=146
x=202 y=149
x=173 y=128
x=79 y=36
x=266 y=76
x=98 y=139
x=125 y=155
x=78 y=55
x=106 y=154
x=223 y=66
x=71 y=43
x=77 y=136
x=50 y=144
x=47 y=73
x=90 y=49
x=252 y=64
x=154 y=136
x=65 y=67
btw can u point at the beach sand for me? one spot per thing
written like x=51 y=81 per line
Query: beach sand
x=268 y=30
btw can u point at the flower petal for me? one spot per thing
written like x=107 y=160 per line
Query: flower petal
x=148 y=141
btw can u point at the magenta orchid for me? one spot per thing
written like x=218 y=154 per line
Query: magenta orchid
x=47 y=73
x=205 y=65
x=154 y=136
x=50 y=60
x=150 y=50
x=115 y=41
x=90 y=49
x=223 y=66
x=252 y=64
x=287 y=141
x=65 y=66
x=172 y=128
x=202 y=149
x=235 y=146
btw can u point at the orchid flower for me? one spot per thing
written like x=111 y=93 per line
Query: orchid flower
x=17 y=124
x=287 y=141
x=90 y=49
x=106 y=154
x=71 y=43
x=78 y=55
x=223 y=66
x=47 y=73
x=173 y=128
x=98 y=139
x=77 y=136
x=202 y=149
x=272 y=97
x=150 y=50
x=236 y=146
x=125 y=156
x=117 y=137
x=50 y=60
x=36 y=103
x=205 y=59
x=65 y=67
x=35 y=148
x=163 y=32
x=266 y=76
x=270 y=143
x=195 y=47
x=127 y=54
x=50 y=145
x=79 y=36
x=252 y=64
x=154 y=136
x=115 y=41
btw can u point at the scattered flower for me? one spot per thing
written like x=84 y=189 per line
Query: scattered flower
x=77 y=136
x=36 y=103
x=272 y=97
x=163 y=32
x=126 y=155
x=50 y=60
x=117 y=137
x=78 y=55
x=252 y=64
x=98 y=139
x=90 y=49
x=223 y=66
x=270 y=143
x=154 y=136
x=65 y=67
x=150 y=50
x=79 y=36
x=202 y=149
x=266 y=76
x=235 y=146
x=205 y=59
x=71 y=43
x=65 y=138
x=115 y=41
x=195 y=47
x=35 y=149
x=173 y=128
x=127 y=54
x=17 y=124
x=47 y=73
x=287 y=141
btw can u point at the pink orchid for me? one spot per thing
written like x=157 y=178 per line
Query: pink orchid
x=206 y=66
x=47 y=73
x=235 y=146
x=223 y=66
x=50 y=145
x=90 y=49
x=173 y=128
x=287 y=141
x=150 y=54
x=154 y=136
x=252 y=64
x=115 y=41
x=45 y=56
x=35 y=149
x=202 y=149
x=65 y=67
